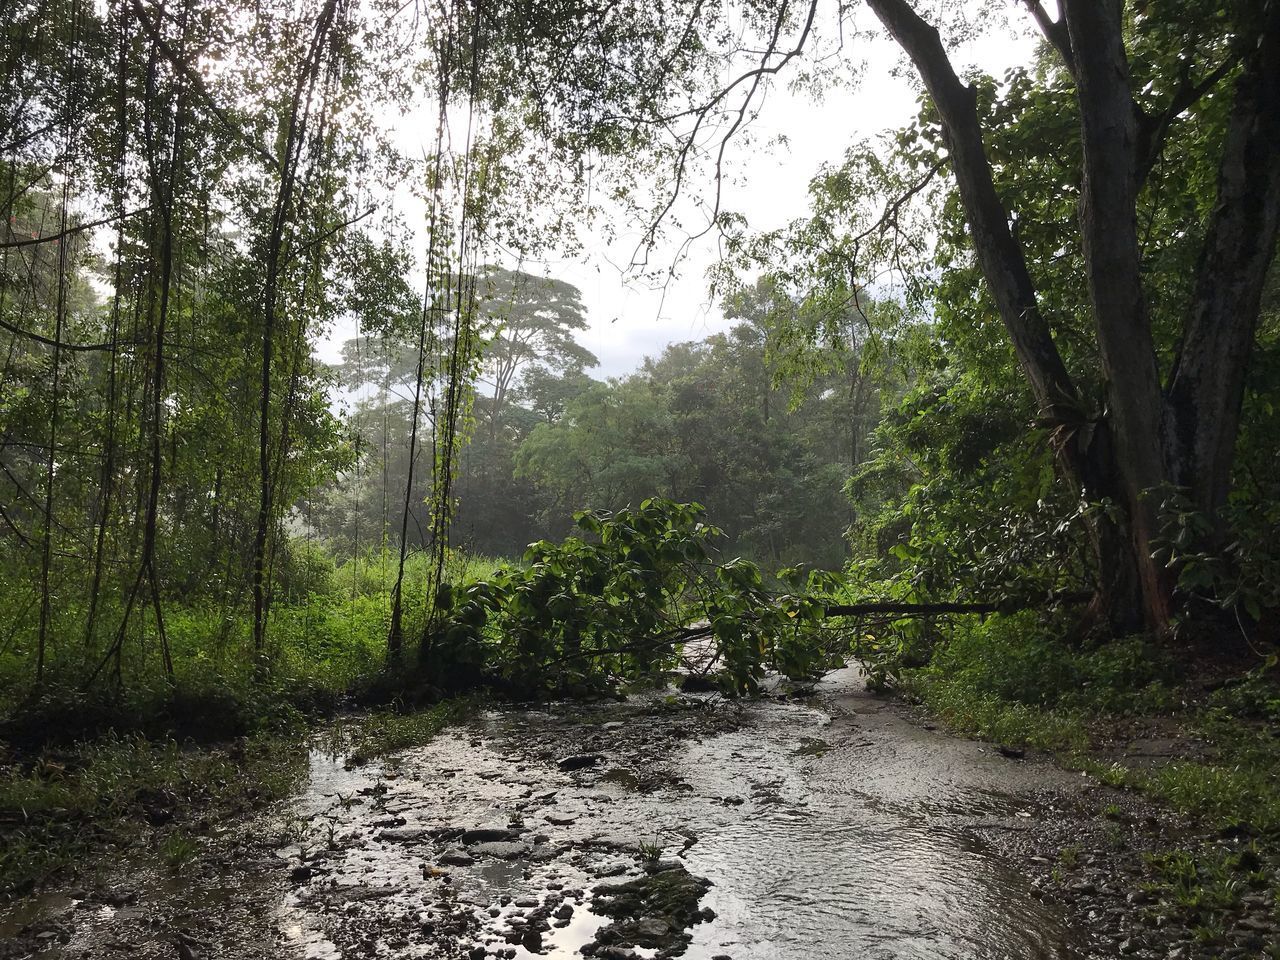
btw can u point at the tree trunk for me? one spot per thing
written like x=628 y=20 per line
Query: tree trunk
x=1109 y=230
x=1206 y=389
x=1084 y=452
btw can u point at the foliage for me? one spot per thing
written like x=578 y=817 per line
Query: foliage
x=621 y=604
x=1241 y=577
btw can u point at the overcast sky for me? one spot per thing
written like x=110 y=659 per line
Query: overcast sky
x=629 y=320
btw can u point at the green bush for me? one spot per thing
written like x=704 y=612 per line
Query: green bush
x=583 y=613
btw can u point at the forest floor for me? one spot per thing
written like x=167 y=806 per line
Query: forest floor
x=828 y=822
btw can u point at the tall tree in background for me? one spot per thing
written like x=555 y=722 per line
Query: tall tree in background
x=532 y=322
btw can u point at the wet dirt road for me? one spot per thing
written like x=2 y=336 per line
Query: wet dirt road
x=827 y=826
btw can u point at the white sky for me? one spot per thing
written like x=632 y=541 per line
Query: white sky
x=628 y=320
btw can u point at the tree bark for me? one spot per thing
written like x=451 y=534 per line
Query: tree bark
x=1206 y=389
x=1109 y=230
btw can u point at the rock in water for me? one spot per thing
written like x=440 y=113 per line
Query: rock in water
x=501 y=849
x=579 y=761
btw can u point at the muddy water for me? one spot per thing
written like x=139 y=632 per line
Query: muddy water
x=830 y=828
x=826 y=827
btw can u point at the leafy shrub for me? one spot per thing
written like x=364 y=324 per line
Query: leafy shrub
x=1020 y=658
x=584 y=612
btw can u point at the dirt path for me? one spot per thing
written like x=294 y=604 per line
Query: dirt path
x=827 y=826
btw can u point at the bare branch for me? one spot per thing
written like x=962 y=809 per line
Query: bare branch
x=1055 y=31
x=69 y=231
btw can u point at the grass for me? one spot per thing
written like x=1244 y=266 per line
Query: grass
x=1013 y=681
x=379 y=734
x=987 y=717
x=1204 y=887
x=56 y=808
x=88 y=764
x=650 y=853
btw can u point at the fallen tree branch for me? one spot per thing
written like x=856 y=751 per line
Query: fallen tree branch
x=938 y=609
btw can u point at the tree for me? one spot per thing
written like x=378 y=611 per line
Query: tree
x=1179 y=429
x=531 y=321
x=1160 y=420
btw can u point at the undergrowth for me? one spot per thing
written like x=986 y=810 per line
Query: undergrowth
x=58 y=806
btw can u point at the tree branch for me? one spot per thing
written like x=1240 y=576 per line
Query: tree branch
x=1001 y=258
x=1055 y=31
x=62 y=344
x=193 y=77
x=69 y=231
x=1153 y=131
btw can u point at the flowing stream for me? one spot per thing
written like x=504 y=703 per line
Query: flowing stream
x=828 y=826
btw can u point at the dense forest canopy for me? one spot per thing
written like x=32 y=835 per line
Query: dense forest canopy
x=1021 y=348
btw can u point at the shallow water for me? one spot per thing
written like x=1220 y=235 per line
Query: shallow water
x=828 y=828
x=808 y=855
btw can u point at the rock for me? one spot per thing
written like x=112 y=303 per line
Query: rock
x=501 y=849
x=487 y=835
x=456 y=857
x=1257 y=925
x=545 y=852
x=527 y=902
x=404 y=835
x=300 y=874
x=662 y=866
x=579 y=761
x=560 y=819
x=651 y=928
x=1128 y=946
x=1013 y=753
x=564 y=911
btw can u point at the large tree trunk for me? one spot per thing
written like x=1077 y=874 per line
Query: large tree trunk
x=1109 y=230
x=1206 y=389
x=1085 y=452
